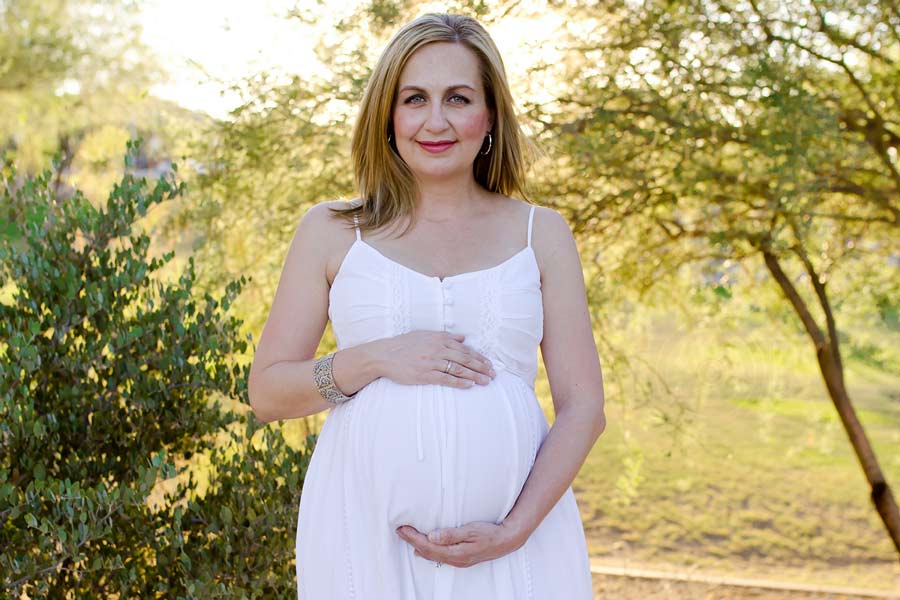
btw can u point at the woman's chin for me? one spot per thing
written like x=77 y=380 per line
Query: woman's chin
x=443 y=174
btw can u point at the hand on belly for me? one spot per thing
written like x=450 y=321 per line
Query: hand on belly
x=462 y=546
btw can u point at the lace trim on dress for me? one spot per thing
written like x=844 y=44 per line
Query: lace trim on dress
x=490 y=312
x=400 y=316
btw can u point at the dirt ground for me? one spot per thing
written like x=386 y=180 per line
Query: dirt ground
x=614 y=587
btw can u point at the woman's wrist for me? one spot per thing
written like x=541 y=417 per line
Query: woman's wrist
x=373 y=357
x=355 y=367
x=517 y=532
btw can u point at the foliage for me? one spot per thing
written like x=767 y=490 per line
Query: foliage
x=237 y=541
x=77 y=72
x=696 y=131
x=44 y=43
x=110 y=380
x=741 y=134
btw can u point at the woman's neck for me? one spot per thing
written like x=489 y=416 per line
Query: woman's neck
x=448 y=200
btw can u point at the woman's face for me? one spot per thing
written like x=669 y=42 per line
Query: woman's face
x=441 y=115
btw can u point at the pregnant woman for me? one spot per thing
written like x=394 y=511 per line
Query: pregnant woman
x=435 y=475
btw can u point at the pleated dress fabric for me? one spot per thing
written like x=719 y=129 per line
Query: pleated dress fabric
x=433 y=456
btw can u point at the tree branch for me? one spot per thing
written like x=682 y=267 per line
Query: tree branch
x=809 y=323
x=819 y=288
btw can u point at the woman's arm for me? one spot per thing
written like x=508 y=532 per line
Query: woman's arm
x=281 y=383
x=573 y=369
x=286 y=389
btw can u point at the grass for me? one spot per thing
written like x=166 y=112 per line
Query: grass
x=739 y=463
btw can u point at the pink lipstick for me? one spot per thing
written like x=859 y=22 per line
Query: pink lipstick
x=436 y=147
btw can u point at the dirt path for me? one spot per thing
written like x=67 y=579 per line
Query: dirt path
x=619 y=584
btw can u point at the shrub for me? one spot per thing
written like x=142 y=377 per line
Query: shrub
x=112 y=380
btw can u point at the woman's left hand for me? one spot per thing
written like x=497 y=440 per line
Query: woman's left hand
x=462 y=546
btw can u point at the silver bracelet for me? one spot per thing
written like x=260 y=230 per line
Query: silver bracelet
x=324 y=376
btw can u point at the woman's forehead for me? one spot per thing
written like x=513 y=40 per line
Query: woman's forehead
x=441 y=65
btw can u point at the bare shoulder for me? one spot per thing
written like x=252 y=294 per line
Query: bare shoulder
x=320 y=221
x=327 y=234
x=552 y=239
x=551 y=224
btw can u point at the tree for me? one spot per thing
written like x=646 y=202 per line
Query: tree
x=740 y=131
x=71 y=70
x=112 y=383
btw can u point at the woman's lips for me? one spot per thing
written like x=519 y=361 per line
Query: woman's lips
x=436 y=147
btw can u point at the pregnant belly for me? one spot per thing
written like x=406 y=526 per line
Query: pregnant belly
x=433 y=456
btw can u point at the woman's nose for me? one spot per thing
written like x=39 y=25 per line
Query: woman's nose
x=436 y=119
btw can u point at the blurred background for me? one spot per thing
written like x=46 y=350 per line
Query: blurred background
x=730 y=170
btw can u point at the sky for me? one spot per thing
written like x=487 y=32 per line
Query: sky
x=228 y=39
x=232 y=39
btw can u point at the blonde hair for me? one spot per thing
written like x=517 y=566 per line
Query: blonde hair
x=385 y=183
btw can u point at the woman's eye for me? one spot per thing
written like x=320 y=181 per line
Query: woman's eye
x=457 y=99
x=414 y=99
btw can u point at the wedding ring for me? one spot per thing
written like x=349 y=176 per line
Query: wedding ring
x=447 y=368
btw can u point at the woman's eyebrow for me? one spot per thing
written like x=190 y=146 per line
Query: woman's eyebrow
x=415 y=88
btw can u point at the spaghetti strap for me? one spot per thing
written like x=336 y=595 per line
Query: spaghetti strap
x=356 y=226
x=530 y=221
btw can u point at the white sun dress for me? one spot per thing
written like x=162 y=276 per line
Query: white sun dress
x=433 y=456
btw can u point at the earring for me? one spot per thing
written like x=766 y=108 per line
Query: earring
x=490 y=140
x=390 y=138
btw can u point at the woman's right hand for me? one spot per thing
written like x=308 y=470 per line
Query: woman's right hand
x=420 y=357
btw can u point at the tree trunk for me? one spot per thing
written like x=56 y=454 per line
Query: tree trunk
x=828 y=355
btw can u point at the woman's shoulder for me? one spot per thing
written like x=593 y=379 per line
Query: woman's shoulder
x=551 y=221
x=551 y=234
x=328 y=233
x=326 y=218
x=324 y=228
x=547 y=220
